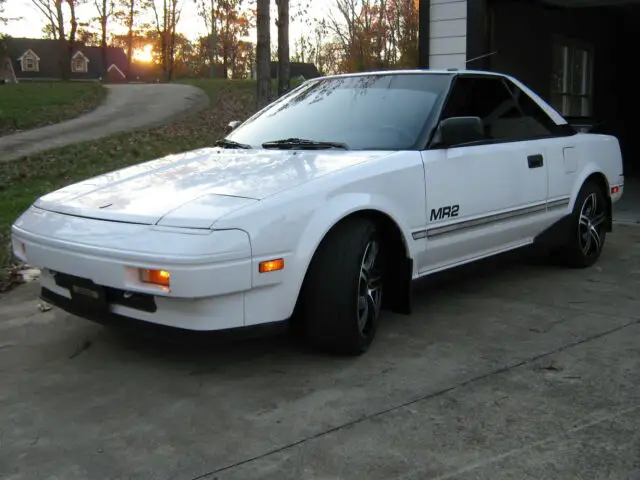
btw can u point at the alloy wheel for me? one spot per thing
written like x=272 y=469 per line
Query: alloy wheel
x=591 y=225
x=369 y=287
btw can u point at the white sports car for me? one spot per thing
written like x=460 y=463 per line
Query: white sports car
x=325 y=205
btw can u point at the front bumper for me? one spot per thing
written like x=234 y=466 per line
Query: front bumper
x=210 y=271
x=172 y=334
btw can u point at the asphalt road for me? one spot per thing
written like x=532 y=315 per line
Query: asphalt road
x=127 y=107
x=510 y=369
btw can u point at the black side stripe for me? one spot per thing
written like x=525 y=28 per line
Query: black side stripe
x=493 y=218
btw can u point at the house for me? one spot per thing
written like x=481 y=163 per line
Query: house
x=574 y=53
x=298 y=70
x=45 y=59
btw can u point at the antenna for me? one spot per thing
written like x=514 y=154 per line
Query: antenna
x=481 y=56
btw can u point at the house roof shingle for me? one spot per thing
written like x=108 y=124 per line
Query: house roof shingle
x=53 y=58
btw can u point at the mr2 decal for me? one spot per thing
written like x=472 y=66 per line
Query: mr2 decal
x=449 y=211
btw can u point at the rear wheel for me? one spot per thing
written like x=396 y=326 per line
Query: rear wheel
x=342 y=295
x=588 y=228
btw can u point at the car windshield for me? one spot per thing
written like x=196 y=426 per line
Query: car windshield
x=364 y=112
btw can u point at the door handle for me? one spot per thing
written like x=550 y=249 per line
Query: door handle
x=535 y=161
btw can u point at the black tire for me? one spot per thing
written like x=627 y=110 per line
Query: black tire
x=331 y=296
x=588 y=228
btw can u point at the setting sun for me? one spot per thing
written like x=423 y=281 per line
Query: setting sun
x=144 y=54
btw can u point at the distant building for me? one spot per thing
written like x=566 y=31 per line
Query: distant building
x=44 y=59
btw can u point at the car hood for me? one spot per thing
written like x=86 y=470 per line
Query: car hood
x=194 y=189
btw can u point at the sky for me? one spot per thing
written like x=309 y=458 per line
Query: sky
x=192 y=26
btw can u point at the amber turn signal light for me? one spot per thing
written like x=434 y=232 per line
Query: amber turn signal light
x=157 y=277
x=271 y=265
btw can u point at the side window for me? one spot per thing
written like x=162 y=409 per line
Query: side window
x=507 y=113
x=489 y=99
x=537 y=120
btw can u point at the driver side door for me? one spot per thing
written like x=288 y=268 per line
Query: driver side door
x=485 y=198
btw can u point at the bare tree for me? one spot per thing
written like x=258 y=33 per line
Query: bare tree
x=232 y=25
x=161 y=29
x=374 y=33
x=55 y=17
x=174 y=17
x=380 y=39
x=346 y=31
x=207 y=10
x=131 y=11
x=105 y=9
x=66 y=70
x=59 y=19
x=166 y=29
x=127 y=13
x=263 y=65
x=3 y=20
x=284 y=67
x=50 y=12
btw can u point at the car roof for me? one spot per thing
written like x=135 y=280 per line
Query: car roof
x=556 y=117
x=424 y=71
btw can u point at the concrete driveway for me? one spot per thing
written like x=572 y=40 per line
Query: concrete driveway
x=510 y=369
x=127 y=107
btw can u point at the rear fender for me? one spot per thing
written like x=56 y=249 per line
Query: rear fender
x=591 y=170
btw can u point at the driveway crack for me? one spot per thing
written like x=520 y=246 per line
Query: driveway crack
x=418 y=399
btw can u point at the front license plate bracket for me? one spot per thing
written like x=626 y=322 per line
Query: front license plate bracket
x=85 y=293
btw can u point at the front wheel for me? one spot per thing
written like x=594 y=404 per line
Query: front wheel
x=588 y=229
x=342 y=295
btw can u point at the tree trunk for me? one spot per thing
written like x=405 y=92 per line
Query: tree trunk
x=263 y=53
x=65 y=70
x=284 y=68
x=214 y=39
x=172 y=40
x=382 y=61
x=165 y=17
x=72 y=37
x=60 y=18
x=103 y=41
x=226 y=47
x=132 y=7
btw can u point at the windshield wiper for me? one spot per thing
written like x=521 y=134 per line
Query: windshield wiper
x=303 y=143
x=224 y=143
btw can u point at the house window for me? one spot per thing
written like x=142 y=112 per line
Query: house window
x=29 y=62
x=572 y=87
x=79 y=63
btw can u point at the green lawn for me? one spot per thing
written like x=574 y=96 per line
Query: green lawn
x=29 y=105
x=23 y=180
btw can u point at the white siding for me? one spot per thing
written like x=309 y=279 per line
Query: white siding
x=448 y=34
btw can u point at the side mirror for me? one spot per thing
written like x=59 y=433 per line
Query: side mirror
x=231 y=126
x=459 y=130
